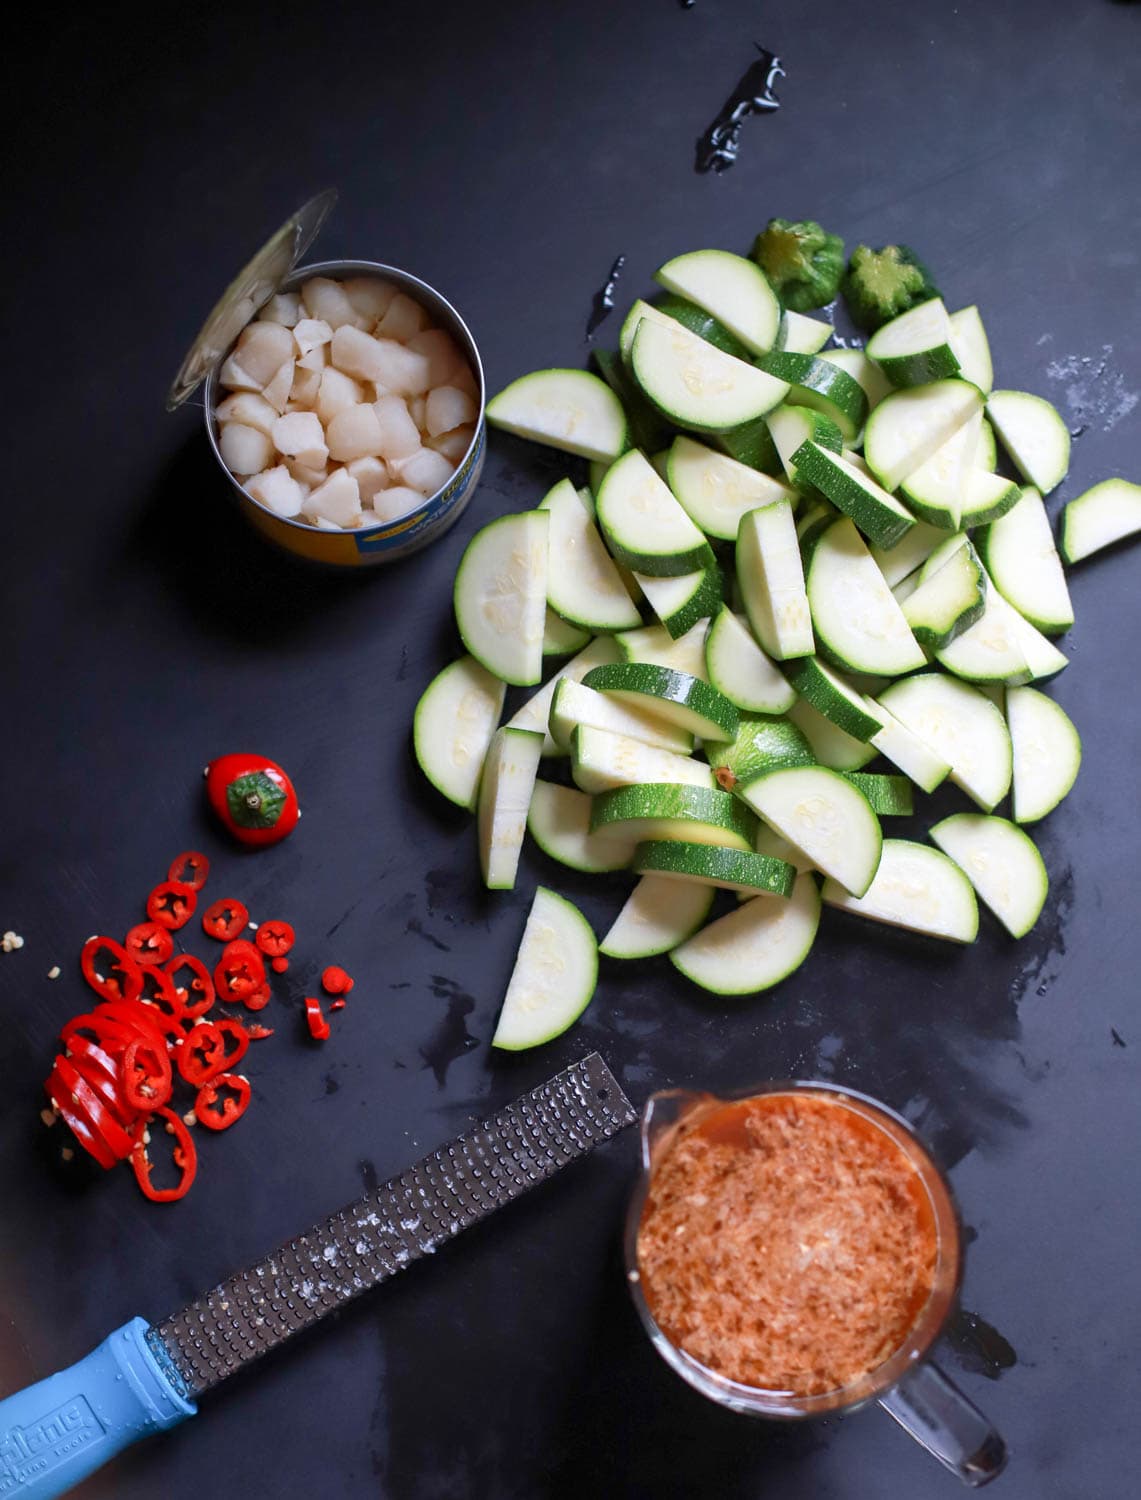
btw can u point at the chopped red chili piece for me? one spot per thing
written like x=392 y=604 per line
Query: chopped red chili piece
x=146 y=1075
x=318 y=1026
x=196 y=999
x=149 y=943
x=80 y=1127
x=337 y=1005
x=336 y=981
x=101 y=1071
x=224 y=919
x=110 y=970
x=279 y=965
x=275 y=939
x=240 y=972
x=75 y=1096
x=259 y=999
x=190 y=868
x=129 y=1018
x=220 y=1113
x=185 y=1158
x=171 y=904
x=258 y=1033
x=202 y=1054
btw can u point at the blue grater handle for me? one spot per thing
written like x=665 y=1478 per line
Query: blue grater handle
x=53 y=1434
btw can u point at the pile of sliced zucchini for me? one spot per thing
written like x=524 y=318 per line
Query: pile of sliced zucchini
x=790 y=560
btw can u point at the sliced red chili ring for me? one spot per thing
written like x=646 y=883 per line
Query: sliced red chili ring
x=336 y=981
x=259 y=999
x=232 y=1107
x=102 y=1072
x=275 y=938
x=121 y=979
x=110 y=1034
x=202 y=1054
x=315 y=1020
x=224 y=919
x=189 y=868
x=144 y=1070
x=196 y=999
x=240 y=1038
x=81 y=1098
x=240 y=972
x=185 y=1158
x=149 y=943
x=171 y=904
x=91 y=1141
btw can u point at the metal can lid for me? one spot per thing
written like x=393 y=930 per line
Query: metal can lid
x=250 y=290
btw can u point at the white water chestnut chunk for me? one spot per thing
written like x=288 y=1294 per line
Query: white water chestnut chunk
x=444 y=358
x=232 y=377
x=262 y=349
x=369 y=295
x=244 y=450
x=403 y=318
x=338 y=392
x=426 y=471
x=371 y=475
x=396 y=501
x=278 y=491
x=306 y=387
x=400 y=437
x=329 y=302
x=249 y=408
x=310 y=334
x=448 y=407
x=283 y=308
x=300 y=435
x=338 y=499
x=355 y=433
x=453 y=445
x=279 y=391
x=306 y=476
x=418 y=411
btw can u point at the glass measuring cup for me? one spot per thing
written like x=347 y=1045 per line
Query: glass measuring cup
x=907 y=1385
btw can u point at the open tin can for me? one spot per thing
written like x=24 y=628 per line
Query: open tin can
x=275 y=269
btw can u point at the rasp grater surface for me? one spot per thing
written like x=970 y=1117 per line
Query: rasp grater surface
x=386 y=1230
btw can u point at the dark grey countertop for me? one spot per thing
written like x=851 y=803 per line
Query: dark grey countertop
x=507 y=154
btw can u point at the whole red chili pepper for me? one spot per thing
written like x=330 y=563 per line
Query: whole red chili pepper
x=146 y=1075
x=199 y=997
x=336 y=981
x=274 y=938
x=224 y=919
x=121 y=978
x=233 y=1107
x=171 y=904
x=185 y=1158
x=149 y=943
x=253 y=797
x=190 y=868
x=315 y=1020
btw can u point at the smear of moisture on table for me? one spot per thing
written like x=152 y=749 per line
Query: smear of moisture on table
x=718 y=148
x=604 y=298
x=1095 y=390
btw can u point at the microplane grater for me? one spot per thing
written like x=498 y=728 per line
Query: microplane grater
x=143 y=1379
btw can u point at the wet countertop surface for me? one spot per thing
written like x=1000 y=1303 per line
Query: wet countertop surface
x=509 y=155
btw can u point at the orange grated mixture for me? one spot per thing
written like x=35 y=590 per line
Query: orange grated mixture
x=787 y=1243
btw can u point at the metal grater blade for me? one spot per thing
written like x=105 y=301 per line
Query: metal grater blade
x=386 y=1230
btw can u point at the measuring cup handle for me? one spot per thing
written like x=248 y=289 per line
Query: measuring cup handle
x=952 y=1429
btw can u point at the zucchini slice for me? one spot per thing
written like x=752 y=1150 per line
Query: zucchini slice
x=993 y=648
x=691 y=814
x=917 y=346
x=713 y=864
x=644 y=525
x=916 y=888
x=536 y=712
x=755 y=947
x=715 y=491
x=836 y=699
x=880 y=516
x=1107 y=513
x=949 y=602
x=916 y=546
x=823 y=386
x=972 y=350
x=1047 y=753
x=770 y=842
x=857 y=622
x=962 y=726
x=793 y=426
x=554 y=978
x=801 y=335
x=688 y=315
x=1001 y=862
x=559 y=822
x=908 y=426
x=560 y=637
x=906 y=750
x=647 y=430
x=867 y=375
x=737 y=667
x=987 y=455
x=831 y=745
x=568 y=409
x=453 y=725
x=695 y=385
x=771 y=580
x=682 y=603
x=825 y=816
x=583 y=584
x=763 y=743
x=732 y=289
x=658 y=915
x=504 y=796
x=1024 y=565
x=577 y=703
x=888 y=796
x=937 y=490
x=601 y=761
x=1033 y=434
x=987 y=497
x=500 y=596
x=653 y=643
x=675 y=697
